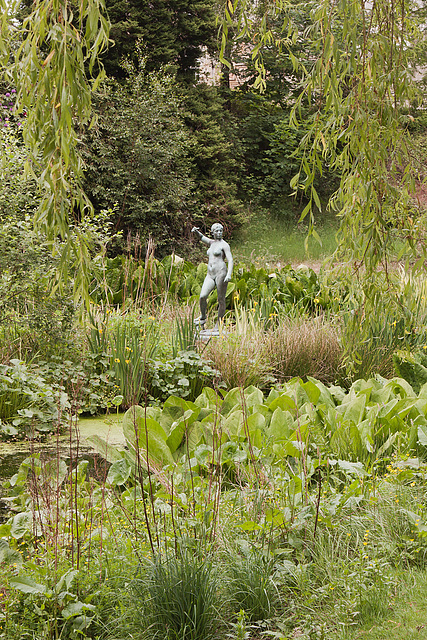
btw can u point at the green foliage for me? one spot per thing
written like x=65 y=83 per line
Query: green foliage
x=28 y=402
x=251 y=586
x=137 y=156
x=298 y=419
x=303 y=538
x=213 y=153
x=411 y=367
x=133 y=349
x=268 y=146
x=18 y=191
x=271 y=290
x=45 y=57
x=172 y=31
x=183 y=376
x=89 y=383
x=386 y=314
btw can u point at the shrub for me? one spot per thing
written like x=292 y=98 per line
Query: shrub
x=27 y=401
x=183 y=376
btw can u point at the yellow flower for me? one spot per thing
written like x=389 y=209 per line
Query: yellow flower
x=316 y=300
x=116 y=359
x=127 y=361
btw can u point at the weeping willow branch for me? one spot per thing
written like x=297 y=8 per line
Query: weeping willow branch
x=52 y=59
x=354 y=93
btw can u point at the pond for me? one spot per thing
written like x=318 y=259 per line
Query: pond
x=71 y=445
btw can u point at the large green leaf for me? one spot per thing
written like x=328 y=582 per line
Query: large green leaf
x=325 y=396
x=27 y=585
x=253 y=396
x=284 y=402
x=234 y=423
x=119 y=472
x=146 y=437
x=179 y=428
x=233 y=401
x=109 y=452
x=174 y=409
x=281 y=425
x=9 y=556
x=21 y=524
x=354 y=410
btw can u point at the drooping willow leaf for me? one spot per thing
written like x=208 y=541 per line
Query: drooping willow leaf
x=51 y=58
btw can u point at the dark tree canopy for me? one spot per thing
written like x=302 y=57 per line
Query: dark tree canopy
x=173 y=31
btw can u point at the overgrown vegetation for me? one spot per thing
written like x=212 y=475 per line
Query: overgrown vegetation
x=272 y=480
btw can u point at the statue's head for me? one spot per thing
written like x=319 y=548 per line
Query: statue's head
x=217 y=229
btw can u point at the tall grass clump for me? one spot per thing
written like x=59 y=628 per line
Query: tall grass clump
x=179 y=593
x=240 y=355
x=251 y=586
x=304 y=347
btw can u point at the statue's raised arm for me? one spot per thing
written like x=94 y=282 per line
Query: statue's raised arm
x=203 y=238
x=220 y=270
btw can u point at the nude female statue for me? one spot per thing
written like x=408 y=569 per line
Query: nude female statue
x=218 y=274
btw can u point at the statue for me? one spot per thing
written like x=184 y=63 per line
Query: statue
x=218 y=274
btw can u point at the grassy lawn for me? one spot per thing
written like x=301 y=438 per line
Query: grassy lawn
x=271 y=240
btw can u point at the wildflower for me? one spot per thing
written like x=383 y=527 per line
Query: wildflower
x=116 y=359
x=127 y=361
x=316 y=300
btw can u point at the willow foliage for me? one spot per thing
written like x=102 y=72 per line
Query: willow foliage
x=353 y=95
x=51 y=60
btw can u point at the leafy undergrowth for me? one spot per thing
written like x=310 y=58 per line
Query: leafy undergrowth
x=297 y=514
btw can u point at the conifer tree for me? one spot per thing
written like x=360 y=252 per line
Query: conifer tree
x=172 y=31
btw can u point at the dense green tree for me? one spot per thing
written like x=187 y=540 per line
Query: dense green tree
x=173 y=32
x=137 y=158
x=214 y=153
